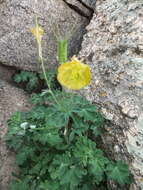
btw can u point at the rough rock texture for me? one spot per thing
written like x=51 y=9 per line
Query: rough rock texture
x=11 y=100
x=83 y=8
x=18 y=46
x=6 y=73
x=90 y=3
x=113 y=47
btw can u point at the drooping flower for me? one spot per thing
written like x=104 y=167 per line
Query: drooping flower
x=74 y=74
x=37 y=32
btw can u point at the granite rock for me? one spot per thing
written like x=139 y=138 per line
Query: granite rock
x=113 y=47
x=17 y=45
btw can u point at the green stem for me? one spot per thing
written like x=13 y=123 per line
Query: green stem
x=39 y=129
x=66 y=134
x=46 y=79
x=62 y=49
x=43 y=67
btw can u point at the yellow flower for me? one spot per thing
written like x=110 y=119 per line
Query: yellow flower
x=37 y=33
x=74 y=74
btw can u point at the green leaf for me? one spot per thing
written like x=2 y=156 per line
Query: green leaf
x=32 y=82
x=90 y=114
x=56 y=118
x=87 y=187
x=25 y=75
x=30 y=79
x=72 y=176
x=51 y=138
x=19 y=185
x=84 y=150
x=97 y=167
x=59 y=165
x=23 y=154
x=118 y=172
x=50 y=74
x=64 y=170
x=71 y=136
x=36 y=99
x=95 y=130
x=17 y=78
x=36 y=168
x=50 y=185
x=79 y=126
x=37 y=113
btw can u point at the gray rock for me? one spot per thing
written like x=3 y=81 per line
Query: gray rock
x=18 y=46
x=6 y=74
x=84 y=8
x=113 y=47
x=90 y=3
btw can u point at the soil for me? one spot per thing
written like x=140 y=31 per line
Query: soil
x=11 y=99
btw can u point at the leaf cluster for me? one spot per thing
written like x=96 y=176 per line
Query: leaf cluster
x=54 y=146
x=32 y=80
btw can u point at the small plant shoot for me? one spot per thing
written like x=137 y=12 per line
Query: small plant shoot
x=62 y=50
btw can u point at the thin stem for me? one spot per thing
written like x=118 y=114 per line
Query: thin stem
x=47 y=81
x=42 y=62
x=66 y=130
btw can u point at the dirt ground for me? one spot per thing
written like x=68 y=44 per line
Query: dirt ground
x=11 y=99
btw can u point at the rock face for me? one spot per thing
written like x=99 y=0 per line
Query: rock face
x=18 y=46
x=90 y=3
x=113 y=47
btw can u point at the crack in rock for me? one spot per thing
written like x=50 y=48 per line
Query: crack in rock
x=80 y=7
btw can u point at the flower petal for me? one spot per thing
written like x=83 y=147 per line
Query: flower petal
x=74 y=74
x=37 y=32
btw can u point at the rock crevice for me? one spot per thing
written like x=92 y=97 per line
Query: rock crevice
x=80 y=7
